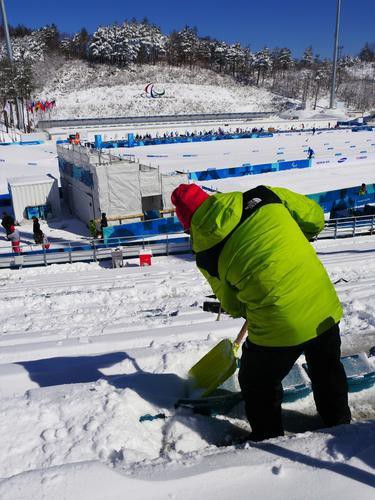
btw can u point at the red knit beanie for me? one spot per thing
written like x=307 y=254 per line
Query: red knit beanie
x=187 y=198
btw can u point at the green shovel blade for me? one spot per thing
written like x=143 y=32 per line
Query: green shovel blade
x=213 y=369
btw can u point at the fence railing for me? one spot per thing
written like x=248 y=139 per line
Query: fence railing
x=93 y=250
x=123 y=120
x=10 y=132
x=349 y=226
x=90 y=250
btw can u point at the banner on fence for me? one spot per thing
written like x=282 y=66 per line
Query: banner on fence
x=344 y=199
x=169 y=225
x=247 y=169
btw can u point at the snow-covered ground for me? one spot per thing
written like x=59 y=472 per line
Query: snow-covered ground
x=86 y=351
x=331 y=145
x=18 y=161
x=23 y=161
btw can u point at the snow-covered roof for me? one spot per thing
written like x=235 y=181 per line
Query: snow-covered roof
x=30 y=180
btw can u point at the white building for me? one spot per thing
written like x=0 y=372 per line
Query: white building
x=95 y=181
x=34 y=195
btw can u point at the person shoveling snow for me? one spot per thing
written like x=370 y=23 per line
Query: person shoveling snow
x=254 y=250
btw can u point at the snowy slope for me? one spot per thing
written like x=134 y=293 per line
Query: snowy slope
x=85 y=351
x=84 y=90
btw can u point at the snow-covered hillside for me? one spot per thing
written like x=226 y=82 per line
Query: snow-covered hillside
x=84 y=90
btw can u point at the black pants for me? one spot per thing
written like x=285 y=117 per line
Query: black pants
x=263 y=368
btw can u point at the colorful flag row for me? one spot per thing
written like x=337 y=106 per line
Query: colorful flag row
x=40 y=105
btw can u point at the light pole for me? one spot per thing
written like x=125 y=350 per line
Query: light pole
x=332 y=102
x=10 y=57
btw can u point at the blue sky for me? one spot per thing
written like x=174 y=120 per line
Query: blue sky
x=292 y=23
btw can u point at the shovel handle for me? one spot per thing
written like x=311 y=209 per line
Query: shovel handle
x=241 y=335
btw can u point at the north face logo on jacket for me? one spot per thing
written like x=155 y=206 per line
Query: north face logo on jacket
x=253 y=203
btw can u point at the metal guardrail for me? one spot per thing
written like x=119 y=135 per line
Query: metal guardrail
x=93 y=250
x=90 y=250
x=349 y=227
x=130 y=120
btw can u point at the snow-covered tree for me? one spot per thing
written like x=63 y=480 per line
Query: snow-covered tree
x=236 y=57
x=367 y=54
x=34 y=46
x=262 y=63
x=130 y=42
x=16 y=80
x=50 y=37
x=152 y=43
x=183 y=46
x=308 y=58
x=220 y=56
x=205 y=51
x=284 y=59
x=77 y=45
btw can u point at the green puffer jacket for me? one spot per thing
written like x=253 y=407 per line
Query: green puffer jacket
x=267 y=271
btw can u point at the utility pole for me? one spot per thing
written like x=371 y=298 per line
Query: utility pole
x=21 y=124
x=332 y=102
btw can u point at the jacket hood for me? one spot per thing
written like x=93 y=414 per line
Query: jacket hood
x=215 y=219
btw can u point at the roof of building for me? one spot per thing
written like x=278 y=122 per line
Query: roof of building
x=31 y=180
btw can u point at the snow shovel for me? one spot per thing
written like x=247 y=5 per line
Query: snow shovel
x=216 y=366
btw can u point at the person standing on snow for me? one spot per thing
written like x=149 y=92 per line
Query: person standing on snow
x=45 y=242
x=310 y=153
x=253 y=248
x=36 y=230
x=14 y=237
x=7 y=221
x=41 y=239
x=103 y=223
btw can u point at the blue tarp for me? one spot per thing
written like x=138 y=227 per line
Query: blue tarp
x=78 y=173
x=23 y=143
x=362 y=128
x=169 y=225
x=5 y=200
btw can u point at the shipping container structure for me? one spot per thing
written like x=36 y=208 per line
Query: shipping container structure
x=95 y=181
x=34 y=195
